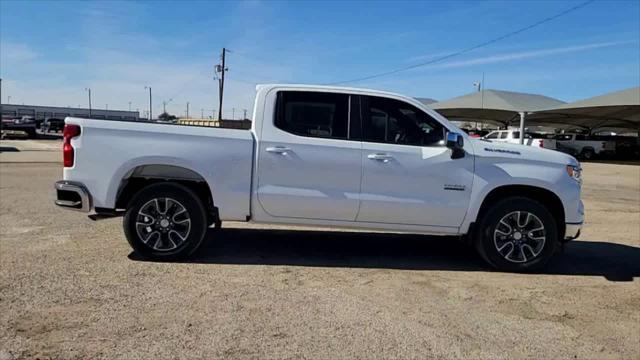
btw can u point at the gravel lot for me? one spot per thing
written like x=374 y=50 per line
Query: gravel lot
x=71 y=288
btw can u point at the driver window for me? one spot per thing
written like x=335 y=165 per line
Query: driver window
x=393 y=121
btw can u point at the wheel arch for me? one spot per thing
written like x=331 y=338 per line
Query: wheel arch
x=144 y=175
x=544 y=196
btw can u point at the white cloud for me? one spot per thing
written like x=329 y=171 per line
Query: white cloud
x=117 y=64
x=529 y=54
x=16 y=53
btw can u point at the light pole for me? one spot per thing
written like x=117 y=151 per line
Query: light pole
x=89 y=91
x=187 y=109
x=233 y=113
x=150 y=114
x=9 y=99
x=201 y=113
x=245 y=114
x=129 y=105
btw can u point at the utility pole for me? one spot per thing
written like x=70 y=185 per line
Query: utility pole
x=221 y=69
x=89 y=91
x=201 y=113
x=150 y=114
x=164 y=105
x=187 y=109
x=482 y=96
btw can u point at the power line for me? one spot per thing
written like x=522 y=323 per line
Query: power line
x=469 y=49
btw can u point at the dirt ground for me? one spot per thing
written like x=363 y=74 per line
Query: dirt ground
x=71 y=288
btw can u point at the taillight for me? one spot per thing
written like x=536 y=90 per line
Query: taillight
x=541 y=143
x=70 y=131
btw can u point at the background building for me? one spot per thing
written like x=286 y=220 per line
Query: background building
x=40 y=113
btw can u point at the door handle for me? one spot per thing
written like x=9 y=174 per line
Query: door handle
x=380 y=157
x=278 y=150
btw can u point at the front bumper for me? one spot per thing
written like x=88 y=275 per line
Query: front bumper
x=73 y=196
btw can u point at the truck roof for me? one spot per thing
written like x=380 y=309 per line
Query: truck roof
x=333 y=89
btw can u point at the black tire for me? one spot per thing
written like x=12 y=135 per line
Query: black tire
x=167 y=244
x=489 y=237
x=588 y=154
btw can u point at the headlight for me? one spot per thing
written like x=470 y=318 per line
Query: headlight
x=575 y=172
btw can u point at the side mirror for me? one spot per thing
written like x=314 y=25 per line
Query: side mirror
x=455 y=142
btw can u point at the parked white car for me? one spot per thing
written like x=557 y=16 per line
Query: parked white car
x=323 y=156
x=584 y=147
x=513 y=137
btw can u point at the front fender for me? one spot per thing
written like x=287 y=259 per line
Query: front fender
x=491 y=175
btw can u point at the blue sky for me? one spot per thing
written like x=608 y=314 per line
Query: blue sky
x=50 y=51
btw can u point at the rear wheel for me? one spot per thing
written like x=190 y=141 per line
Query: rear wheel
x=165 y=221
x=517 y=234
x=588 y=154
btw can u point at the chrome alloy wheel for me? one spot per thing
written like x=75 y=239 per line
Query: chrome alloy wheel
x=519 y=236
x=163 y=224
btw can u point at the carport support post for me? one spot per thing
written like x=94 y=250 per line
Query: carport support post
x=522 y=117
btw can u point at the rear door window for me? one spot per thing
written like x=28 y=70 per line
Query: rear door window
x=313 y=114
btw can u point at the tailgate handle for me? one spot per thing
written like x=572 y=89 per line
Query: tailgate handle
x=278 y=150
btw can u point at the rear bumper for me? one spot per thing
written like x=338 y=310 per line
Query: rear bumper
x=572 y=231
x=73 y=196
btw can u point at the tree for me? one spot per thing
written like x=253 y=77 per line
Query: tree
x=167 y=117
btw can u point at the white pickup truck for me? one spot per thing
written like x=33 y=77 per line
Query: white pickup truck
x=584 y=147
x=323 y=156
x=513 y=137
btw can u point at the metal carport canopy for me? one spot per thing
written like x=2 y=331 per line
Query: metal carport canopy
x=493 y=106
x=620 y=109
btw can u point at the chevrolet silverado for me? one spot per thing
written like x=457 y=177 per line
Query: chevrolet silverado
x=323 y=156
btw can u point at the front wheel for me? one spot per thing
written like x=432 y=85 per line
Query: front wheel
x=165 y=221
x=517 y=234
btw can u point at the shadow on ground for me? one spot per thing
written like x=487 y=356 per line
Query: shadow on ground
x=9 y=149
x=49 y=136
x=615 y=262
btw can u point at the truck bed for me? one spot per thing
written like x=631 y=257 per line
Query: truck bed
x=109 y=151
